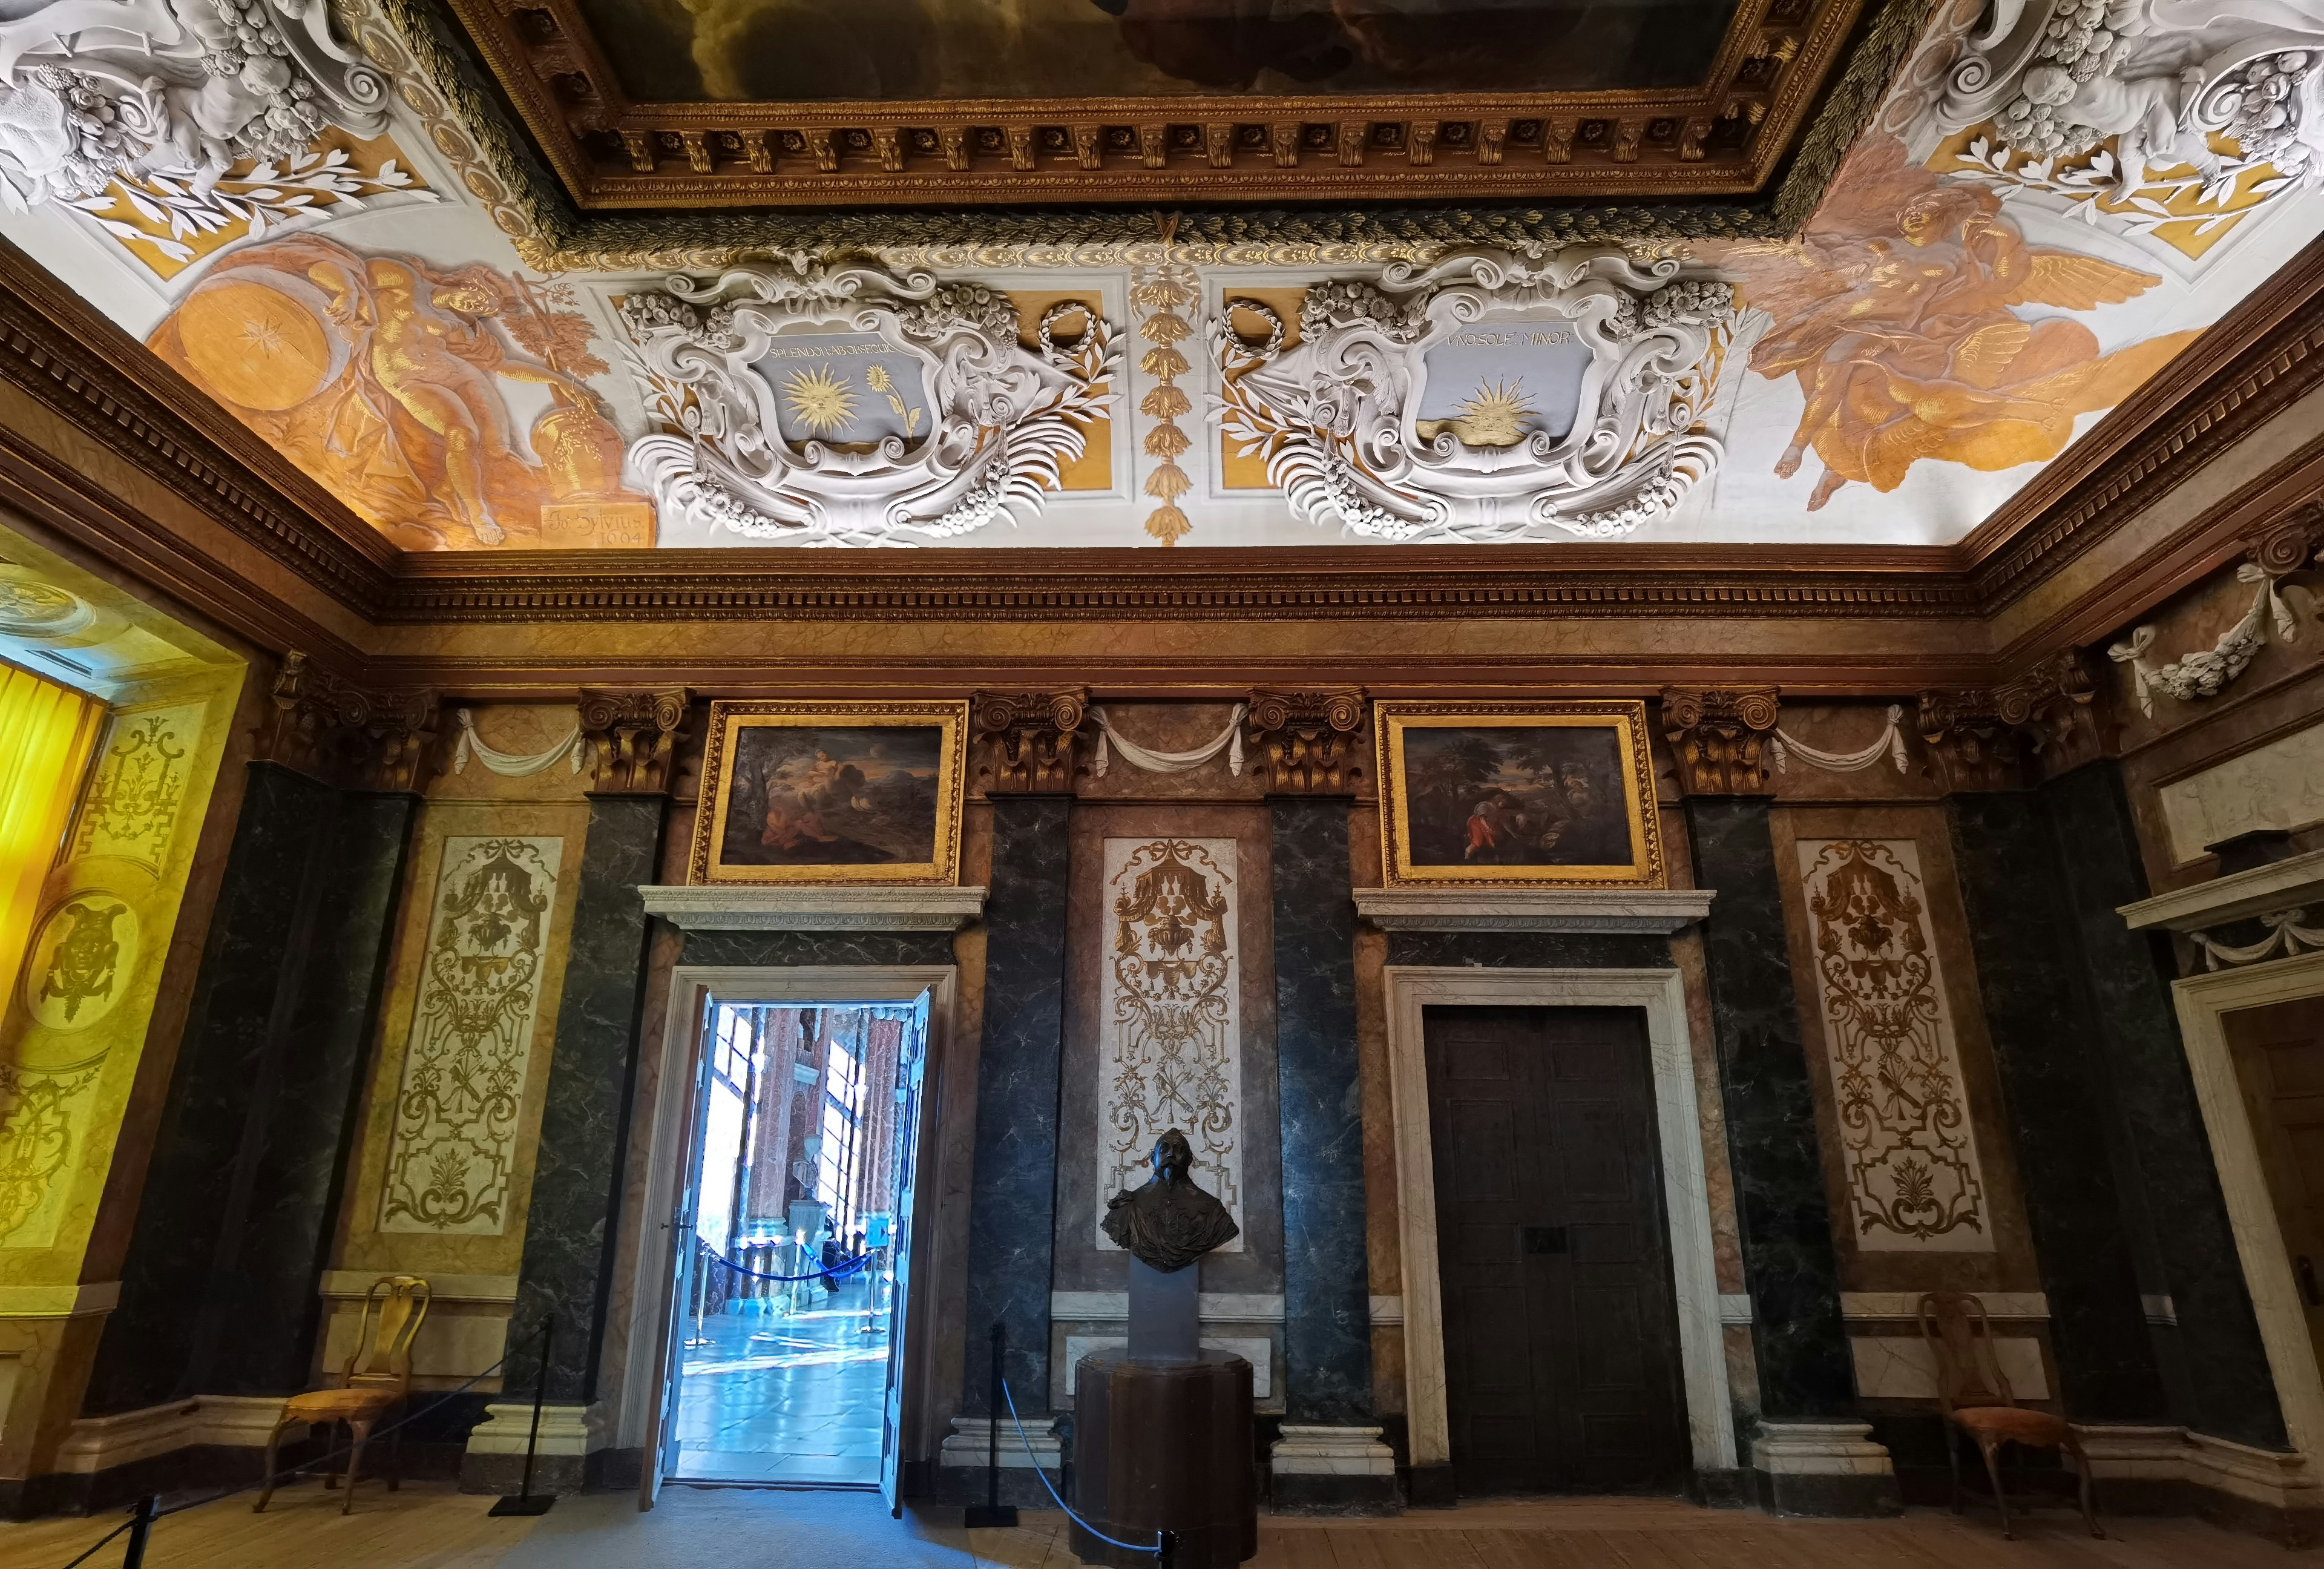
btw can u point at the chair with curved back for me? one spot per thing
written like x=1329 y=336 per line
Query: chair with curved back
x=376 y=1378
x=1974 y=1394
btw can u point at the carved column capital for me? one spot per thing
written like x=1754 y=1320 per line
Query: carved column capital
x=631 y=736
x=2283 y=547
x=1981 y=738
x=357 y=737
x=1305 y=737
x=1029 y=739
x=1718 y=736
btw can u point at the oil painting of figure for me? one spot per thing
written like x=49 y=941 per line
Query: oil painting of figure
x=1516 y=796
x=833 y=796
x=793 y=50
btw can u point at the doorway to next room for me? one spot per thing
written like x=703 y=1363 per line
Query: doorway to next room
x=791 y=1299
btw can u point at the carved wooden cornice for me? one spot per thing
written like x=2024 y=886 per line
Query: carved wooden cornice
x=1718 y=736
x=1028 y=739
x=2258 y=359
x=350 y=735
x=1305 y=738
x=632 y=736
x=1981 y=738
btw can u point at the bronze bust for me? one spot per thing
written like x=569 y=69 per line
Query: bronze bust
x=1169 y=1223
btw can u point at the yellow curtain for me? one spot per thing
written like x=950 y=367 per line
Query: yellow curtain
x=47 y=733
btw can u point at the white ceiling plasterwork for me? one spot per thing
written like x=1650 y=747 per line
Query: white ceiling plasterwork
x=984 y=433
x=92 y=90
x=1605 y=439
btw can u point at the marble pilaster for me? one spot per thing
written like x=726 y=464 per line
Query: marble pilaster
x=2033 y=975
x=1782 y=1210
x=1012 y=1222
x=2226 y=1390
x=1326 y=1291
x=242 y=1193
x=576 y=1183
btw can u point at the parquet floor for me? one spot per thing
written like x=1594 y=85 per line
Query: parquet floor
x=432 y=1527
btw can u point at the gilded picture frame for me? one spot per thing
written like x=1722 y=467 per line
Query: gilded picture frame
x=830 y=793
x=1516 y=795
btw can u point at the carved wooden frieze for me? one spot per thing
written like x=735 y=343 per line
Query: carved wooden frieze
x=1306 y=737
x=1719 y=737
x=1028 y=739
x=807 y=405
x=1489 y=398
x=632 y=735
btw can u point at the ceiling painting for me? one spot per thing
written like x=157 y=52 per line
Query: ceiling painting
x=2050 y=201
x=387 y=378
x=800 y=51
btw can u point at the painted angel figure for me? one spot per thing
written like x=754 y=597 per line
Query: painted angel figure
x=1896 y=312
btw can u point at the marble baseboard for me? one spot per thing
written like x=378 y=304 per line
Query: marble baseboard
x=567 y=1430
x=1307 y=1451
x=97 y=1443
x=1903 y=1367
x=1317 y=1493
x=1818 y=1449
x=2272 y=1478
x=968 y=1444
x=1210 y=1306
x=1431 y=1487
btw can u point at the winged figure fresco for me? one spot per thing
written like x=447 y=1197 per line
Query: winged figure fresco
x=1897 y=309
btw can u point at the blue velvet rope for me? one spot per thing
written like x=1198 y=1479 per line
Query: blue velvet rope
x=838 y=1271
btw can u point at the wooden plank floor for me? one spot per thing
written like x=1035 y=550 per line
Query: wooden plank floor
x=428 y=1525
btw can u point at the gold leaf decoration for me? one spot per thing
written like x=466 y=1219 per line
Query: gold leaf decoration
x=1159 y=291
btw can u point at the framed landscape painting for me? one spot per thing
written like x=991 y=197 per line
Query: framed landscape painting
x=1516 y=795
x=831 y=792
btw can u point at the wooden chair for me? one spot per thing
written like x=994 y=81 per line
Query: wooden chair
x=1974 y=1394
x=376 y=1380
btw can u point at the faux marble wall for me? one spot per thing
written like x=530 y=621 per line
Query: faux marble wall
x=2054 y=1062
x=1326 y=1307
x=2160 y=1150
x=576 y=1185
x=219 y=1295
x=1012 y=1212
x=1784 y=1218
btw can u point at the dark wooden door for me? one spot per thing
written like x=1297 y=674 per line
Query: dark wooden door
x=1561 y=1328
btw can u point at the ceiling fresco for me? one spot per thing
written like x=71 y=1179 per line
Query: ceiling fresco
x=2050 y=201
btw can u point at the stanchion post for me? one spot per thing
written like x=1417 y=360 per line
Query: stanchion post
x=522 y=1502
x=992 y=1512
x=140 y=1526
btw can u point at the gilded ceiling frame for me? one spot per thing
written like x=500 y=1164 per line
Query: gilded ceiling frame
x=440 y=81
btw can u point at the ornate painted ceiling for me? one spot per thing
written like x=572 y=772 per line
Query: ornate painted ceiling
x=745 y=273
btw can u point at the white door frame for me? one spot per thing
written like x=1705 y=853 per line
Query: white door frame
x=690 y=986
x=1686 y=1198
x=2203 y=1001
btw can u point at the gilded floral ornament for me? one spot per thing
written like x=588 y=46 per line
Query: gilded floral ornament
x=810 y=405
x=1489 y=398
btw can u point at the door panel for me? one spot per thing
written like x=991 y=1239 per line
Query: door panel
x=2279 y=1052
x=661 y=1433
x=912 y=1075
x=1561 y=1330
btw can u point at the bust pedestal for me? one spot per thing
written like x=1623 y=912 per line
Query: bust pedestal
x=1165 y=1445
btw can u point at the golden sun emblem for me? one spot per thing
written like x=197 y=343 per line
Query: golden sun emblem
x=1494 y=415
x=819 y=400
